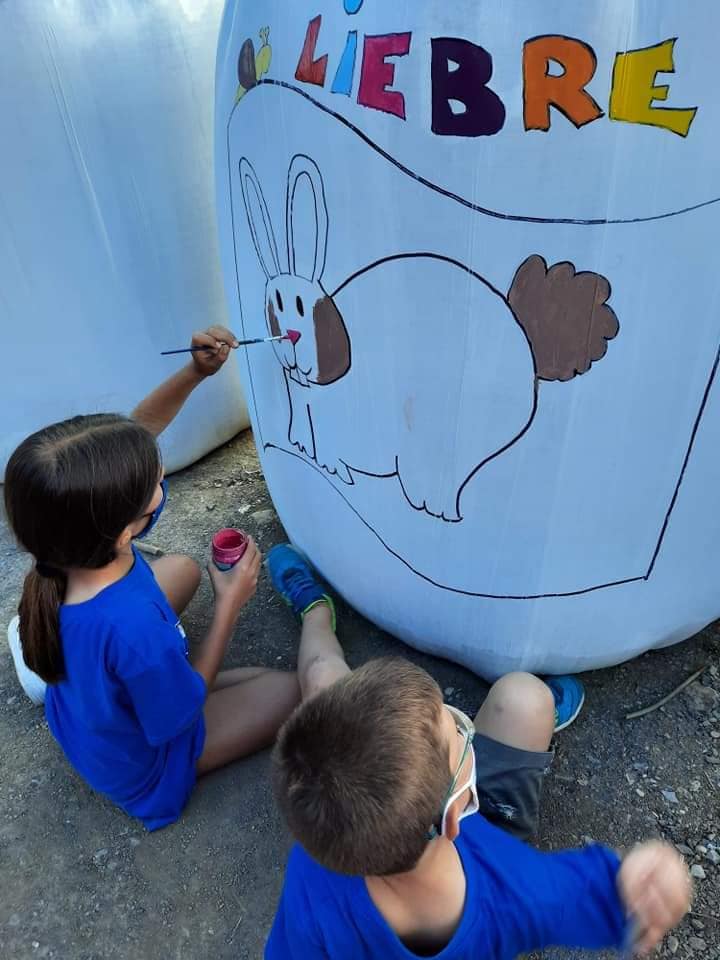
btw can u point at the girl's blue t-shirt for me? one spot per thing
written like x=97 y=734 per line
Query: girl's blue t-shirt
x=129 y=712
x=517 y=899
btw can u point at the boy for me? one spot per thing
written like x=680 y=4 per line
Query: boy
x=374 y=775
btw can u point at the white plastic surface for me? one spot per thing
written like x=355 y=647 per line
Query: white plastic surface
x=108 y=240
x=497 y=436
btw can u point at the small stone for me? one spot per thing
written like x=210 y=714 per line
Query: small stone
x=209 y=506
x=696 y=943
x=11 y=700
x=672 y=944
x=697 y=924
x=684 y=849
x=262 y=517
x=697 y=872
x=715 y=734
x=670 y=796
x=100 y=856
x=713 y=856
x=587 y=840
x=701 y=699
x=641 y=767
x=134 y=842
x=244 y=509
x=35 y=944
x=639 y=792
x=695 y=785
x=449 y=691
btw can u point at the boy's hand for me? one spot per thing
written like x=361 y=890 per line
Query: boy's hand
x=220 y=341
x=655 y=885
x=233 y=588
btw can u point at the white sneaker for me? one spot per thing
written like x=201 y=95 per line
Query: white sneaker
x=31 y=683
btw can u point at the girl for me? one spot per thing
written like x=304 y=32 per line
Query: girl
x=134 y=717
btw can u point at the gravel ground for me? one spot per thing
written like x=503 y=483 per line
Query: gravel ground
x=81 y=881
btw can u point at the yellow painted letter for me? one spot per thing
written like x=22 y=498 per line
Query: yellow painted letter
x=634 y=90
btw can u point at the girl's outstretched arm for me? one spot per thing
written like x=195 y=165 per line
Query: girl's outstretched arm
x=161 y=406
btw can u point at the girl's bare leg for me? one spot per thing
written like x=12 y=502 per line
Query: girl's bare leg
x=249 y=705
x=245 y=717
x=178 y=577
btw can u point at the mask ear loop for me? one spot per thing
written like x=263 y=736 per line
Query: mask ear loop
x=470 y=785
x=155 y=515
x=449 y=798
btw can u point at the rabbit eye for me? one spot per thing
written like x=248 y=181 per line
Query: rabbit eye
x=279 y=301
x=300 y=307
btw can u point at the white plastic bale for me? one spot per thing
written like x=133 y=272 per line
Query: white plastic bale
x=108 y=241
x=496 y=436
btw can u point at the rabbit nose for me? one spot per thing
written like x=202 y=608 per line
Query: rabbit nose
x=293 y=336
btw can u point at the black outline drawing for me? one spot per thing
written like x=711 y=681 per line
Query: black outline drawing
x=266 y=445
x=463 y=201
x=304 y=437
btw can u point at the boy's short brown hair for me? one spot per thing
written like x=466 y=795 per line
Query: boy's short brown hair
x=360 y=769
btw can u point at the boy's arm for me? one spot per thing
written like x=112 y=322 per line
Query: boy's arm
x=590 y=899
x=161 y=406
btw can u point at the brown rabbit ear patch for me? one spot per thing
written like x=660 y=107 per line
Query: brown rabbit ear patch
x=332 y=342
x=565 y=315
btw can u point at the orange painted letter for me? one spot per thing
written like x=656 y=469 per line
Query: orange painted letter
x=566 y=92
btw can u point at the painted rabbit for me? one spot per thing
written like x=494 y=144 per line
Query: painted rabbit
x=386 y=380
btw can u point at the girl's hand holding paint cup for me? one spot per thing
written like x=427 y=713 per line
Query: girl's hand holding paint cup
x=234 y=586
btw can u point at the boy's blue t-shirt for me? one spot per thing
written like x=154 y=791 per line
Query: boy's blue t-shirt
x=518 y=899
x=129 y=712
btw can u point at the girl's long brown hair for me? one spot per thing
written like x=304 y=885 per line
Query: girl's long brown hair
x=70 y=491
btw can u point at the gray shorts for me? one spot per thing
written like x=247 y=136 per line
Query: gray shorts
x=509 y=783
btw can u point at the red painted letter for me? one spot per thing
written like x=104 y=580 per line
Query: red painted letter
x=567 y=91
x=310 y=70
x=377 y=75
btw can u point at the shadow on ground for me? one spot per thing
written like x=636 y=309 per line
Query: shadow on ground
x=81 y=881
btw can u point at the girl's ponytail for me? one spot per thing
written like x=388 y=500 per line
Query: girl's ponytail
x=39 y=612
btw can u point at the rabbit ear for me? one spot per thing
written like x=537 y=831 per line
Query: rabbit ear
x=306 y=241
x=259 y=220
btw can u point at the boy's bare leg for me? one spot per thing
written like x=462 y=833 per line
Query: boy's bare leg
x=519 y=711
x=321 y=660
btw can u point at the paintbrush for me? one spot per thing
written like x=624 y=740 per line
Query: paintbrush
x=241 y=343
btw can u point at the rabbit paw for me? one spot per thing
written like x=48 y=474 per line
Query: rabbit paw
x=441 y=504
x=337 y=468
x=300 y=434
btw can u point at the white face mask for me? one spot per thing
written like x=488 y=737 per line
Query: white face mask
x=465 y=729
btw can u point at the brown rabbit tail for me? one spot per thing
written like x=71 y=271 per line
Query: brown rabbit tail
x=565 y=315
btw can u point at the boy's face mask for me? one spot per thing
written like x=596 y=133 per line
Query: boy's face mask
x=466 y=729
x=155 y=515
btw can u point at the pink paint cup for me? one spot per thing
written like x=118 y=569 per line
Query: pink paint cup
x=228 y=546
